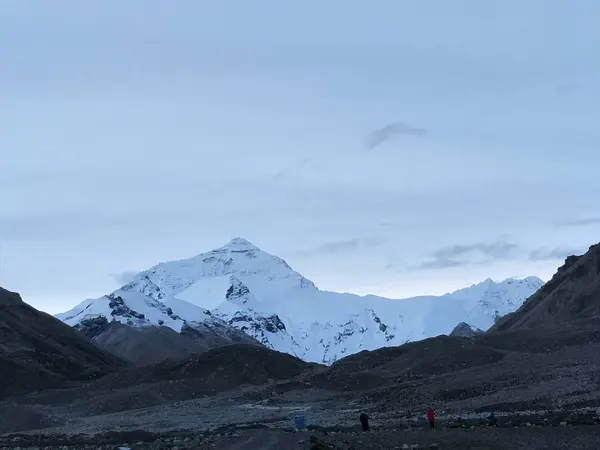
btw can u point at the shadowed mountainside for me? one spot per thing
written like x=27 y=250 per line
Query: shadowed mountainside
x=572 y=294
x=38 y=351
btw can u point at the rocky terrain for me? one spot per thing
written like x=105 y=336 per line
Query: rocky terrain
x=544 y=384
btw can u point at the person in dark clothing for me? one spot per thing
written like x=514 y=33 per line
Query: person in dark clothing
x=431 y=417
x=492 y=421
x=364 y=421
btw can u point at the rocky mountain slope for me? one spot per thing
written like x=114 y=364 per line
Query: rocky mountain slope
x=240 y=287
x=572 y=294
x=38 y=351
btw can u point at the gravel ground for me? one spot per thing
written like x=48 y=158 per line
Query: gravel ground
x=584 y=437
x=529 y=438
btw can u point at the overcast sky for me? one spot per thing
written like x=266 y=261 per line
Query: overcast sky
x=391 y=147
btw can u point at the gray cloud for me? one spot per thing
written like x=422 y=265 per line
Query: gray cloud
x=342 y=246
x=391 y=130
x=496 y=250
x=552 y=254
x=581 y=222
x=473 y=254
x=439 y=264
x=483 y=253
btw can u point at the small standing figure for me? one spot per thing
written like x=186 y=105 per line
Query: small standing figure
x=431 y=417
x=492 y=421
x=364 y=421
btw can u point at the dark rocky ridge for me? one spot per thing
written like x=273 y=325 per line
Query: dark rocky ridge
x=220 y=369
x=572 y=294
x=38 y=351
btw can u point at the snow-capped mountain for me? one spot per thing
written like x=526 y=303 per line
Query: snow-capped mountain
x=245 y=288
x=491 y=300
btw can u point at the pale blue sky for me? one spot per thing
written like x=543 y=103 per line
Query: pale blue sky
x=133 y=132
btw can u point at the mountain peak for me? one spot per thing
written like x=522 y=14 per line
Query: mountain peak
x=239 y=244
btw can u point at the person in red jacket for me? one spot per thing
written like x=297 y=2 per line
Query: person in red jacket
x=431 y=417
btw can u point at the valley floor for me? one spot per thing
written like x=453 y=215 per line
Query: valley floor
x=544 y=392
x=502 y=438
x=248 y=419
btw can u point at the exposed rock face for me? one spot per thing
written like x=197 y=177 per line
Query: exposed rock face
x=119 y=308
x=216 y=333
x=260 y=328
x=93 y=327
x=572 y=294
x=463 y=329
x=237 y=292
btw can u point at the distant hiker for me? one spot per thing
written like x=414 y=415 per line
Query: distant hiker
x=364 y=421
x=431 y=417
x=492 y=421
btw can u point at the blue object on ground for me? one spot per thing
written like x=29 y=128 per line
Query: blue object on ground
x=300 y=421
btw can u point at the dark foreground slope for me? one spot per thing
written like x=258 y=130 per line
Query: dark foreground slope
x=38 y=351
x=223 y=370
x=572 y=294
x=509 y=371
x=216 y=370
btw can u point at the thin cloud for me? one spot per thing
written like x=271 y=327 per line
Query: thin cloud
x=343 y=246
x=485 y=253
x=552 y=254
x=390 y=131
x=566 y=88
x=580 y=222
x=495 y=250
x=439 y=264
x=473 y=254
x=303 y=164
